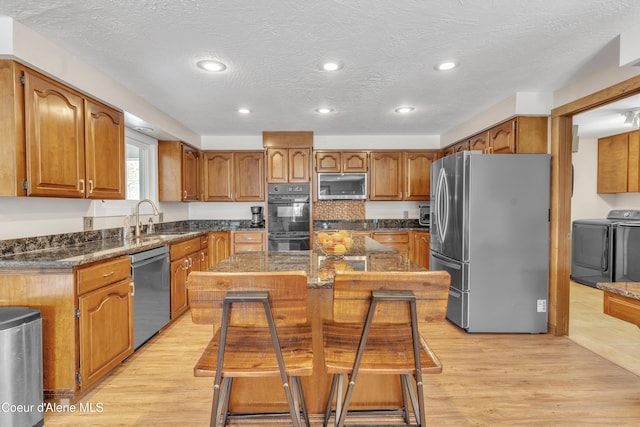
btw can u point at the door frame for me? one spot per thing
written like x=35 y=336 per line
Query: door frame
x=561 y=185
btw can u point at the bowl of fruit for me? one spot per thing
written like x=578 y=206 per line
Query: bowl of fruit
x=335 y=243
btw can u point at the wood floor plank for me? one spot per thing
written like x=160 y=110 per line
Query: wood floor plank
x=487 y=380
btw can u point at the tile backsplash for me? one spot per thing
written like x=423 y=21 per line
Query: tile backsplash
x=339 y=209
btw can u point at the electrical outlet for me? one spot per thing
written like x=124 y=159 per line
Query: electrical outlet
x=88 y=223
x=405 y=214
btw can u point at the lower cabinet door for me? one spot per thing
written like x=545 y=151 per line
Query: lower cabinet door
x=179 y=273
x=106 y=330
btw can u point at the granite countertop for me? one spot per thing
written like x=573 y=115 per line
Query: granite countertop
x=627 y=289
x=87 y=252
x=365 y=255
x=83 y=248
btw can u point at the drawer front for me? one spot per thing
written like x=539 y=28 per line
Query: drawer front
x=248 y=237
x=204 y=241
x=622 y=307
x=391 y=237
x=98 y=275
x=179 y=250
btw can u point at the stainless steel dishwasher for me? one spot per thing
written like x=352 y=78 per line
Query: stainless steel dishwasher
x=150 y=273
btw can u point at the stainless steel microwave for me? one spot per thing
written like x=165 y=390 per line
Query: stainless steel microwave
x=342 y=186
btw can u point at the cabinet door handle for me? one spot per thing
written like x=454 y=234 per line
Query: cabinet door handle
x=184 y=194
x=202 y=256
x=190 y=262
x=133 y=288
x=90 y=186
x=82 y=186
x=109 y=274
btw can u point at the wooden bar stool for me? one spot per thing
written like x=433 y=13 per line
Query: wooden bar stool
x=263 y=332
x=375 y=331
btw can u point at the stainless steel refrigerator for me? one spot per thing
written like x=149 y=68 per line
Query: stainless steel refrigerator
x=490 y=230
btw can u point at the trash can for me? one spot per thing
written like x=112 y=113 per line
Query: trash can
x=21 y=395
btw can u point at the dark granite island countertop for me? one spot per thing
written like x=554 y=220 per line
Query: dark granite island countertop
x=365 y=255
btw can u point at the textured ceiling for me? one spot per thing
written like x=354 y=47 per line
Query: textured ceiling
x=273 y=50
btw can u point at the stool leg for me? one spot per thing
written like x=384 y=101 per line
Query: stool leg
x=404 y=384
x=225 y=396
x=332 y=391
x=303 y=403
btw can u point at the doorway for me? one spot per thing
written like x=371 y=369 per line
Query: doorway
x=561 y=186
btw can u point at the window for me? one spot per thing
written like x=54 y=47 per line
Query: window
x=135 y=165
x=141 y=151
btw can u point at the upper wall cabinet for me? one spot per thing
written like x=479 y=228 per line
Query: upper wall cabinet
x=400 y=175
x=521 y=134
x=386 y=175
x=341 y=161
x=288 y=156
x=619 y=163
x=56 y=141
x=417 y=167
x=233 y=176
x=178 y=172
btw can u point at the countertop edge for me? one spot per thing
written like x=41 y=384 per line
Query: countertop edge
x=627 y=289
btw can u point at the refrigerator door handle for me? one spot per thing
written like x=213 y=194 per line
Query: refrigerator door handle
x=442 y=205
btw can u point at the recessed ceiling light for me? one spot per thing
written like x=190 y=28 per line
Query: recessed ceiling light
x=144 y=129
x=445 y=66
x=211 y=65
x=404 y=110
x=324 y=110
x=331 y=66
x=244 y=110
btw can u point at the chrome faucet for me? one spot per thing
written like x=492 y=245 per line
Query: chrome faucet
x=155 y=212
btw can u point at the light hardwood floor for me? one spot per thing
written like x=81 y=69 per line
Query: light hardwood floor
x=488 y=380
x=612 y=338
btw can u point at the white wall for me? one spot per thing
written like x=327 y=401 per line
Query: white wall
x=586 y=202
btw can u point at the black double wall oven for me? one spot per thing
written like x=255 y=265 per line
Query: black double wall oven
x=289 y=217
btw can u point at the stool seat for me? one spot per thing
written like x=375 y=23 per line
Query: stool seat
x=249 y=353
x=389 y=350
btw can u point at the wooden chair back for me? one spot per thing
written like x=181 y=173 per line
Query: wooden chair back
x=287 y=297
x=352 y=295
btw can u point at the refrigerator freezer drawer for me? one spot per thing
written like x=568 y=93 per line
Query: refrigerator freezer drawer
x=459 y=271
x=458 y=308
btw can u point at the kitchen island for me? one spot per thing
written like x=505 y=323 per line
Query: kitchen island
x=263 y=395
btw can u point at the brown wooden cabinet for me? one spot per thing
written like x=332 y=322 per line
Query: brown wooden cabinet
x=178 y=172
x=399 y=241
x=288 y=165
x=219 y=246
x=619 y=163
x=420 y=248
x=185 y=257
x=105 y=312
x=522 y=134
x=400 y=175
x=56 y=141
x=288 y=156
x=622 y=307
x=478 y=142
x=341 y=161
x=233 y=176
x=417 y=169
x=106 y=330
x=386 y=175
x=104 y=152
x=248 y=241
x=457 y=147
